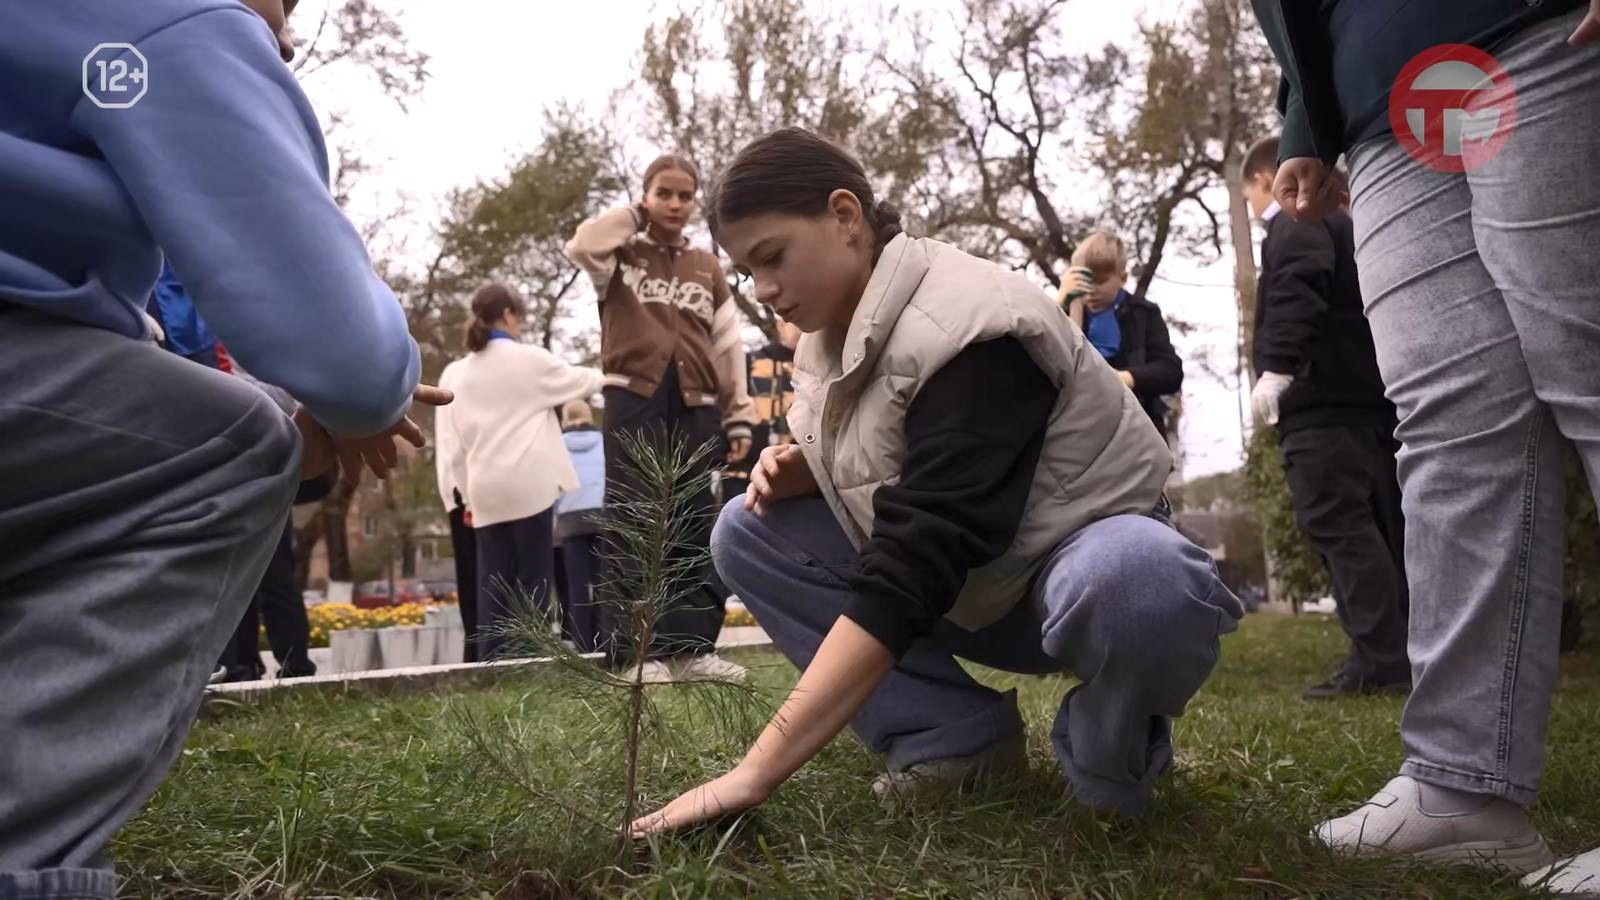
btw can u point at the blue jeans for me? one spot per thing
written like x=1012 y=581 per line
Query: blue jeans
x=1483 y=290
x=1127 y=604
x=141 y=497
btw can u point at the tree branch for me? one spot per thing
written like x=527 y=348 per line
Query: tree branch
x=310 y=51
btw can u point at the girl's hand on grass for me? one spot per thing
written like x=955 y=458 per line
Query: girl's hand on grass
x=848 y=667
x=734 y=792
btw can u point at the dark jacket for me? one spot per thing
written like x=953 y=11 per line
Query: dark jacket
x=1340 y=57
x=962 y=492
x=1146 y=354
x=1309 y=323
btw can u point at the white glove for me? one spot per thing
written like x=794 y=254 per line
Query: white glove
x=1269 y=388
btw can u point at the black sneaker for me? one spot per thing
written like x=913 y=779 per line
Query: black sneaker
x=238 y=673
x=1347 y=684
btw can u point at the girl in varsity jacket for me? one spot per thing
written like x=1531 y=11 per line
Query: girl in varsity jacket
x=674 y=365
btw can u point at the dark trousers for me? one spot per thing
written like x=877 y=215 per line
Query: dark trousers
x=693 y=624
x=279 y=603
x=516 y=568
x=580 y=615
x=1346 y=496
x=465 y=547
x=558 y=581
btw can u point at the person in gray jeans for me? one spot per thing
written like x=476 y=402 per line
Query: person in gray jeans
x=1482 y=287
x=141 y=495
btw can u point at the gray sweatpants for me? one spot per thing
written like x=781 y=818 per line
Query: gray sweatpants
x=1483 y=290
x=1127 y=604
x=141 y=496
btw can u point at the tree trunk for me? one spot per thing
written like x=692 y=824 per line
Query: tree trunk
x=408 y=556
x=1244 y=285
x=306 y=539
x=389 y=532
x=1158 y=246
x=1175 y=439
x=327 y=524
x=1244 y=258
x=335 y=514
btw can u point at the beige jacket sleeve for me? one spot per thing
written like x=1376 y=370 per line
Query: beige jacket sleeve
x=727 y=353
x=594 y=246
x=559 y=381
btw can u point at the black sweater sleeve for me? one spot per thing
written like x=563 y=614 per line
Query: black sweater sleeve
x=1297 y=268
x=1162 y=370
x=973 y=437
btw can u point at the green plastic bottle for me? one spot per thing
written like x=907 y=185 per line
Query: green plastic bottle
x=1076 y=293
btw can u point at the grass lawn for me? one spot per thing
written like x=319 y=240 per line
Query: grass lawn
x=493 y=792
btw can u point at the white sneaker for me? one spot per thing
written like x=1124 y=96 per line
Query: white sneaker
x=218 y=675
x=1393 y=822
x=655 y=672
x=710 y=667
x=938 y=779
x=1577 y=876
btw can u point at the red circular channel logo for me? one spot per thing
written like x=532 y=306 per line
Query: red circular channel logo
x=1452 y=108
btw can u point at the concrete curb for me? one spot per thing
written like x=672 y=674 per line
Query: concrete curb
x=220 y=697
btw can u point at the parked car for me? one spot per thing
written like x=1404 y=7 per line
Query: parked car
x=375 y=594
x=441 y=590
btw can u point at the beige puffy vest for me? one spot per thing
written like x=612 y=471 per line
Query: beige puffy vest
x=925 y=302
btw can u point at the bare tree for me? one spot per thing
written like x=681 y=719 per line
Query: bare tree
x=359 y=35
x=362 y=34
x=513 y=229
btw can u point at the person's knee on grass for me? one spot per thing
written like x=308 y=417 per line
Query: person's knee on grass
x=1135 y=610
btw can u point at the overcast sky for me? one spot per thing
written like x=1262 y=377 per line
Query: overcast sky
x=495 y=66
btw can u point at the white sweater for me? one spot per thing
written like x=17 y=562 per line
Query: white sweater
x=500 y=441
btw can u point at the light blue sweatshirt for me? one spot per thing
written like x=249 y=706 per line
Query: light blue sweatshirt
x=588 y=453
x=221 y=164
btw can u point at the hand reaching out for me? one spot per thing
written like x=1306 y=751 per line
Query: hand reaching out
x=377 y=452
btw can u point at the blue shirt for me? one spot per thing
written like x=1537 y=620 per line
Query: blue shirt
x=221 y=164
x=187 y=333
x=1102 y=329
